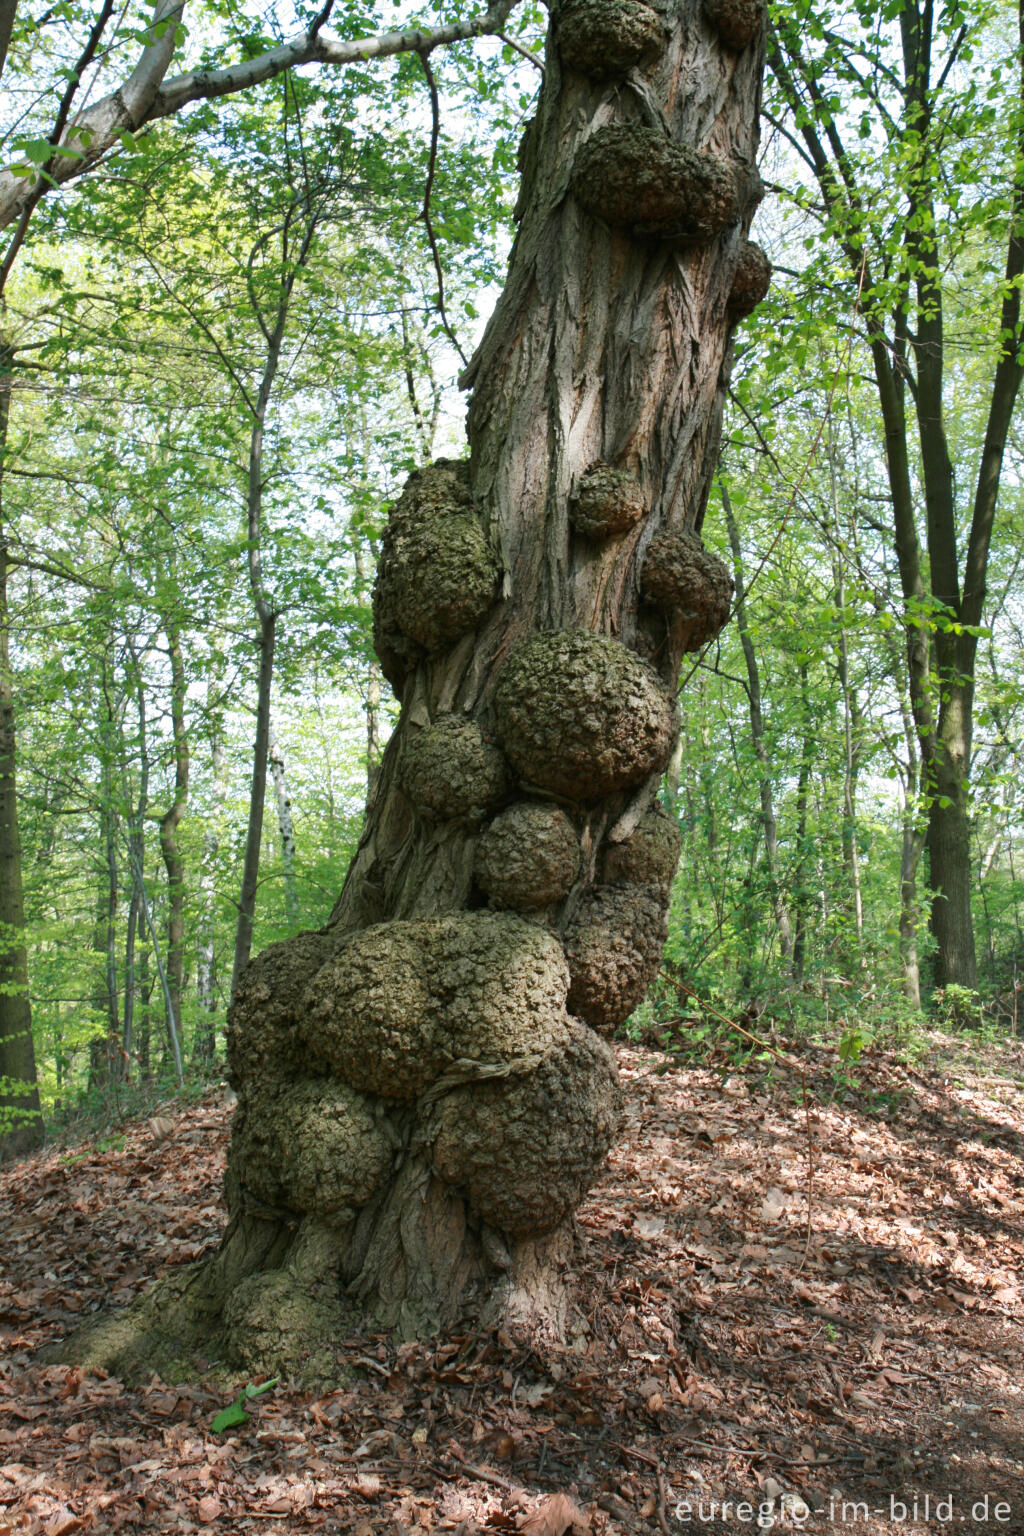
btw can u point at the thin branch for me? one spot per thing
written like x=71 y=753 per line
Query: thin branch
x=526 y=53
x=435 y=134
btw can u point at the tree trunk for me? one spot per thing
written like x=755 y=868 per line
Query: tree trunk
x=136 y=860
x=284 y=824
x=257 y=800
x=206 y=963
x=424 y=1093
x=948 y=842
x=169 y=823
x=21 y=1121
x=802 y=867
x=769 y=821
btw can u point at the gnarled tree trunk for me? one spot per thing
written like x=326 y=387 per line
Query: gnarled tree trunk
x=424 y=1092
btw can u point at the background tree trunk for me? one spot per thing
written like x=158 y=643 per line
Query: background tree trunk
x=21 y=1121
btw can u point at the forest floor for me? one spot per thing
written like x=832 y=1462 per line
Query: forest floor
x=724 y=1352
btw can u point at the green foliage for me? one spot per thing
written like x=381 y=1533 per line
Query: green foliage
x=235 y=1414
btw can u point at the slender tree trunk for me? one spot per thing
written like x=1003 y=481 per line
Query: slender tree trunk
x=284 y=823
x=769 y=821
x=266 y=612
x=21 y=1121
x=137 y=861
x=257 y=799
x=169 y=824
x=851 y=850
x=802 y=867
x=206 y=962
x=424 y=1094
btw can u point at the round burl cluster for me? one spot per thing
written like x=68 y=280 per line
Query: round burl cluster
x=451 y=772
x=606 y=502
x=603 y=39
x=613 y=945
x=649 y=856
x=402 y=1001
x=681 y=576
x=582 y=716
x=633 y=177
x=737 y=22
x=436 y=577
x=315 y=1145
x=751 y=280
x=527 y=1148
x=261 y=1034
x=528 y=857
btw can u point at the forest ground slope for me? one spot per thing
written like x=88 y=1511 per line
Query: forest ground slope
x=719 y=1352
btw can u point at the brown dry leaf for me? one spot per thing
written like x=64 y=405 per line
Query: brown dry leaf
x=209 y=1509
x=63 y=1524
x=553 y=1516
x=362 y=1528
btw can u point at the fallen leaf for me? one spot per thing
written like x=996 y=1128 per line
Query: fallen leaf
x=553 y=1516
x=209 y=1509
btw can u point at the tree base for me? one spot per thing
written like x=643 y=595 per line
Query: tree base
x=277 y=1300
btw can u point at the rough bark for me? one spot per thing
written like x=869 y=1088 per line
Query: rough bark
x=424 y=1097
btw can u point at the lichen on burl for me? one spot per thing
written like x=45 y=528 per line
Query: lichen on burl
x=614 y=945
x=528 y=857
x=262 y=1038
x=582 y=716
x=737 y=22
x=369 y=1013
x=437 y=575
x=317 y=1146
x=634 y=177
x=451 y=772
x=649 y=856
x=682 y=577
x=604 y=39
x=607 y=501
x=750 y=281
x=525 y=1149
x=402 y=1001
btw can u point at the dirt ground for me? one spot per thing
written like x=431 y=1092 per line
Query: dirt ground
x=732 y=1366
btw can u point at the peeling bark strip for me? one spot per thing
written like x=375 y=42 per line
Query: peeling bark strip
x=423 y=1098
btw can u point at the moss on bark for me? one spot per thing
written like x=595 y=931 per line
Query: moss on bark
x=604 y=39
x=582 y=716
x=451 y=772
x=528 y=857
x=634 y=177
x=525 y=1149
x=613 y=945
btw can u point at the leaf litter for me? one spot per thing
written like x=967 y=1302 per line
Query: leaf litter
x=725 y=1363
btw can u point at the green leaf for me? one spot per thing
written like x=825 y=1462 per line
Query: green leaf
x=235 y=1414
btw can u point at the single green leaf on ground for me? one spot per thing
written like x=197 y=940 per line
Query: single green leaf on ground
x=235 y=1413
